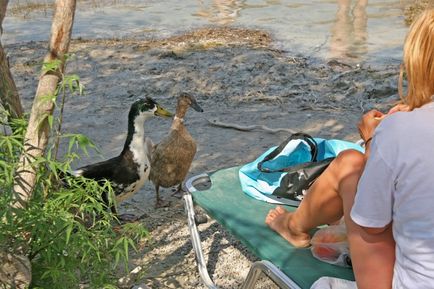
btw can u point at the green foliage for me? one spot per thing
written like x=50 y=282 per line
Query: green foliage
x=68 y=232
x=79 y=141
x=66 y=229
x=51 y=66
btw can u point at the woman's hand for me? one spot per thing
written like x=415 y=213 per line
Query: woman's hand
x=399 y=107
x=368 y=123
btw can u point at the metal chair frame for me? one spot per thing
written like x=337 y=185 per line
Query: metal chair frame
x=257 y=268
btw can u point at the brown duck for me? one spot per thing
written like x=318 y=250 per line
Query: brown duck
x=172 y=157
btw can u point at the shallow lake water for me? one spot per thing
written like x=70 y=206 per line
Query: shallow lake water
x=351 y=31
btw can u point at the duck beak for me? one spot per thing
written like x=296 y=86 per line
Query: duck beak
x=196 y=106
x=162 y=112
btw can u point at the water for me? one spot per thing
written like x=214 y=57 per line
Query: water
x=352 y=31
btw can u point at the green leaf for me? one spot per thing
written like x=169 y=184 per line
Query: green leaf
x=50 y=120
x=42 y=119
x=125 y=241
x=131 y=243
x=81 y=141
x=16 y=142
x=73 y=82
x=51 y=66
x=49 y=98
x=9 y=146
x=68 y=233
x=117 y=257
x=48 y=154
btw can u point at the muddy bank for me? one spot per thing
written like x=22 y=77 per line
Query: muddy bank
x=237 y=78
x=414 y=8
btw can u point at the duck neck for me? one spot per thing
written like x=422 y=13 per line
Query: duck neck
x=178 y=120
x=136 y=134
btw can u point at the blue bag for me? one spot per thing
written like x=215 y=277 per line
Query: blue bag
x=282 y=174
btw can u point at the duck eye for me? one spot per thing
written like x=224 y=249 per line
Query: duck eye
x=144 y=107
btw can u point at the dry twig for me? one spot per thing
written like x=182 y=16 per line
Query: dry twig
x=218 y=123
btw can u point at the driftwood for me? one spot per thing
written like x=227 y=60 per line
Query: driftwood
x=9 y=97
x=218 y=123
x=38 y=129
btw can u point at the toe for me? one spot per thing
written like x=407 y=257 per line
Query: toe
x=267 y=219
x=270 y=216
x=280 y=210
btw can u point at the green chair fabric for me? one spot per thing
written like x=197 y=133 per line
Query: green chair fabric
x=244 y=217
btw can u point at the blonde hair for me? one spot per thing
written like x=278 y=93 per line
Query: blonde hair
x=419 y=61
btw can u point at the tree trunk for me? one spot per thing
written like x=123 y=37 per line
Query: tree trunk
x=9 y=98
x=15 y=271
x=38 y=129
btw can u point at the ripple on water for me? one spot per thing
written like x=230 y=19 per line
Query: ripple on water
x=351 y=31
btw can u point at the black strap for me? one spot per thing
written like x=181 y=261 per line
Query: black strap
x=300 y=135
x=300 y=177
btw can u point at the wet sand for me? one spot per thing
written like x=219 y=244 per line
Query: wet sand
x=238 y=78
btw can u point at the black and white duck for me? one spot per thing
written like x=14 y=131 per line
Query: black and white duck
x=128 y=171
x=172 y=157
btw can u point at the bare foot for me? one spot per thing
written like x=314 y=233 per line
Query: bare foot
x=278 y=219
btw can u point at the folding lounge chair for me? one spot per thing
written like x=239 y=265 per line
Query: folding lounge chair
x=243 y=217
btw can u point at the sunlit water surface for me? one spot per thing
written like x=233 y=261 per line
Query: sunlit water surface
x=351 y=31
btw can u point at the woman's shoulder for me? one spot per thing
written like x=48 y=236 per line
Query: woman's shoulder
x=407 y=123
x=393 y=123
x=416 y=118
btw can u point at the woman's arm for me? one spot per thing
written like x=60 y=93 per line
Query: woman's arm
x=376 y=231
x=367 y=125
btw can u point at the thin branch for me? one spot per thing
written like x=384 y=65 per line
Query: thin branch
x=218 y=123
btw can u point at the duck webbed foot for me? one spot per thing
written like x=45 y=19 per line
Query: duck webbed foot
x=178 y=192
x=160 y=203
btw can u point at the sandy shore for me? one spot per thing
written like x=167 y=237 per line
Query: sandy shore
x=237 y=78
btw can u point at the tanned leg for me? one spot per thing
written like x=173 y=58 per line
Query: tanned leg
x=321 y=205
x=329 y=198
